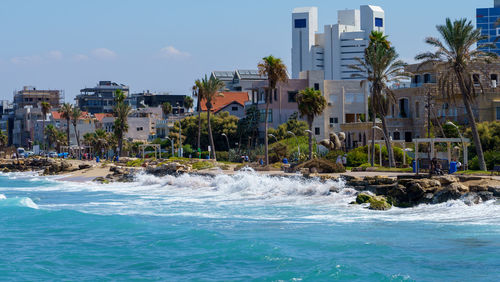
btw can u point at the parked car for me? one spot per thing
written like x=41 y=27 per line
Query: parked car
x=52 y=155
x=28 y=154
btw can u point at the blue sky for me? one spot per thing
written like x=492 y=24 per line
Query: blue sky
x=164 y=45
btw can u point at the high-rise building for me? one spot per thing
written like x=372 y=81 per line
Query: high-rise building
x=101 y=98
x=334 y=50
x=487 y=21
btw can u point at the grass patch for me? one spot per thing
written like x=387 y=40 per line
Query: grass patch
x=135 y=163
x=202 y=165
x=473 y=172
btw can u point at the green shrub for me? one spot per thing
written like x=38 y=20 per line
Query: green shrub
x=202 y=165
x=222 y=156
x=135 y=163
x=491 y=158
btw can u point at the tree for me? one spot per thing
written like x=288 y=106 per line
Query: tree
x=188 y=103
x=121 y=111
x=380 y=66
x=166 y=108
x=248 y=127
x=197 y=92
x=276 y=72
x=75 y=116
x=454 y=58
x=311 y=103
x=51 y=133
x=66 y=111
x=99 y=140
x=297 y=127
x=210 y=89
x=4 y=140
x=45 y=110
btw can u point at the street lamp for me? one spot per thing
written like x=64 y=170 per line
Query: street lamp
x=461 y=138
x=180 y=128
x=296 y=140
x=315 y=141
x=227 y=139
x=272 y=135
x=172 y=143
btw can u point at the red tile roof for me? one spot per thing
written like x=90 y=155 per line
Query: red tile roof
x=225 y=99
x=99 y=117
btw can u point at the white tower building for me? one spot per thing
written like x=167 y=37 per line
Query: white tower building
x=304 y=28
x=334 y=50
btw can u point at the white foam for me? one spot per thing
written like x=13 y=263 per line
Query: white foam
x=2 y=197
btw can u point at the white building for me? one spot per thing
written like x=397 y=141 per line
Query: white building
x=334 y=50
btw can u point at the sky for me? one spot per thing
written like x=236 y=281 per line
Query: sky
x=164 y=45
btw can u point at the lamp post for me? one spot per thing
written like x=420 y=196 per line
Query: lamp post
x=227 y=139
x=315 y=141
x=172 y=143
x=272 y=135
x=296 y=140
x=180 y=128
x=462 y=139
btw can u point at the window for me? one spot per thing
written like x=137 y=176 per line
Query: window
x=498 y=113
x=140 y=129
x=234 y=109
x=416 y=79
x=494 y=80
x=417 y=109
x=475 y=78
x=275 y=95
x=316 y=86
x=397 y=135
x=427 y=78
x=263 y=114
x=316 y=131
x=404 y=110
x=292 y=96
x=379 y=22
x=336 y=120
x=354 y=98
x=300 y=23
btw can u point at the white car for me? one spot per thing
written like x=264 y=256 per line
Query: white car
x=52 y=155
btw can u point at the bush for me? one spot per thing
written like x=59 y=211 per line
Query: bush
x=332 y=155
x=491 y=158
x=357 y=157
x=202 y=165
x=135 y=163
x=222 y=156
x=322 y=165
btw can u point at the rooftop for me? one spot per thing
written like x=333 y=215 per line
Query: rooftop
x=225 y=99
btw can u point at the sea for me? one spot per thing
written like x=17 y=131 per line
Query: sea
x=244 y=227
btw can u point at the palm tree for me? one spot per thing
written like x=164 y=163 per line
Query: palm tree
x=121 y=112
x=166 y=108
x=380 y=67
x=66 y=111
x=454 y=58
x=276 y=72
x=45 y=110
x=188 y=103
x=197 y=92
x=311 y=103
x=75 y=116
x=210 y=89
x=51 y=134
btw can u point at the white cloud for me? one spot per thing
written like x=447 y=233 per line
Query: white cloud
x=103 y=53
x=26 y=60
x=172 y=52
x=80 y=58
x=55 y=55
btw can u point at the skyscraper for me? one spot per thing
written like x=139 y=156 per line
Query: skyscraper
x=334 y=50
x=487 y=21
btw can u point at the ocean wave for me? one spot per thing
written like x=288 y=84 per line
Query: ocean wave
x=17 y=202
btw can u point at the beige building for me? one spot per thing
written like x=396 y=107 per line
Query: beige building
x=408 y=116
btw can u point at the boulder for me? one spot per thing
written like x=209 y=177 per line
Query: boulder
x=415 y=192
x=381 y=189
x=446 y=179
x=495 y=190
x=379 y=203
x=486 y=196
x=363 y=198
x=471 y=199
x=478 y=188
x=399 y=195
x=451 y=192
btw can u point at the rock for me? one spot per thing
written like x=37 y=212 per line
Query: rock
x=399 y=195
x=381 y=189
x=465 y=178
x=415 y=192
x=101 y=180
x=486 y=196
x=478 y=188
x=451 y=192
x=334 y=189
x=379 y=180
x=363 y=198
x=495 y=190
x=379 y=203
x=446 y=179
x=471 y=199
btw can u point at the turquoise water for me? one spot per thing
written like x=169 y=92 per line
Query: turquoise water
x=245 y=227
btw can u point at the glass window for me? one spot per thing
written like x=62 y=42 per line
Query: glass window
x=316 y=131
x=292 y=96
x=316 y=86
x=263 y=114
x=475 y=78
x=234 y=109
x=498 y=113
x=300 y=23
x=379 y=22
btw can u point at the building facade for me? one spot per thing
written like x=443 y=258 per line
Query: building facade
x=486 y=19
x=334 y=50
x=30 y=96
x=101 y=98
x=148 y=99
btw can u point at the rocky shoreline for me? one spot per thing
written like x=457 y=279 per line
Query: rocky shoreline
x=377 y=192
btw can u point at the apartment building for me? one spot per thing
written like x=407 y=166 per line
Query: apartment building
x=101 y=98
